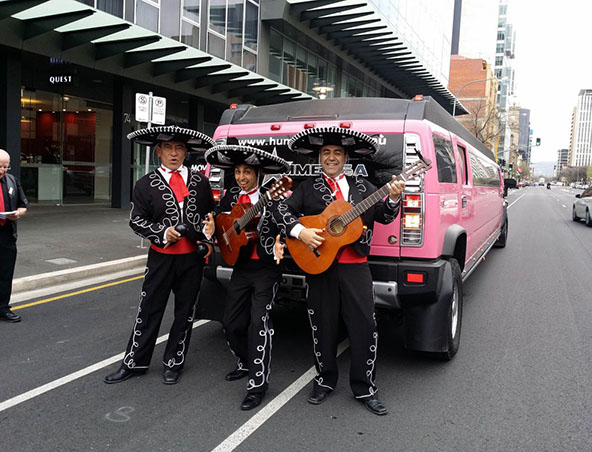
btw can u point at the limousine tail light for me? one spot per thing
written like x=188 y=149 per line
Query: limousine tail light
x=412 y=220
x=216 y=195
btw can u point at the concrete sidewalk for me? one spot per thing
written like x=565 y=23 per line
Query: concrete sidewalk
x=59 y=244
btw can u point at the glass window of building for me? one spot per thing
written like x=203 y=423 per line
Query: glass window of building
x=249 y=61
x=189 y=34
x=65 y=147
x=234 y=32
x=114 y=7
x=191 y=10
x=216 y=45
x=218 y=16
x=251 y=25
x=276 y=43
x=147 y=15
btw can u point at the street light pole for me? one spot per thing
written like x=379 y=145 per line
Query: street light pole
x=462 y=87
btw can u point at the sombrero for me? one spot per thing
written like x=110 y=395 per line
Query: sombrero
x=311 y=141
x=151 y=136
x=226 y=156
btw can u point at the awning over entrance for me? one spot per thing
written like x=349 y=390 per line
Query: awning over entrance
x=80 y=34
x=356 y=27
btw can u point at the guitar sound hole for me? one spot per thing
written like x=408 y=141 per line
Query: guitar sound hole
x=335 y=226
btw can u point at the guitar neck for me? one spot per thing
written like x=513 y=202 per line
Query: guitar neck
x=252 y=212
x=368 y=202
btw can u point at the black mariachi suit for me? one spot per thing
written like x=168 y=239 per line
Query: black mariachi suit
x=250 y=297
x=154 y=209
x=14 y=197
x=343 y=290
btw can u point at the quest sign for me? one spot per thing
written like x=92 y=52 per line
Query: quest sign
x=55 y=80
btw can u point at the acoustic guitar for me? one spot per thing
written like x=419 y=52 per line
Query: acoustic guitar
x=342 y=225
x=232 y=229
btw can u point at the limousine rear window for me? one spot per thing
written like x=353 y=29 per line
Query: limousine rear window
x=445 y=161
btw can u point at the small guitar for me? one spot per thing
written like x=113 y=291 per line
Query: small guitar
x=342 y=225
x=231 y=228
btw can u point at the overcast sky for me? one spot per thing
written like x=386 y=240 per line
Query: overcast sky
x=553 y=63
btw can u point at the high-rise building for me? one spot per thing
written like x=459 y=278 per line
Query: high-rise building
x=562 y=161
x=504 y=55
x=581 y=154
x=477 y=29
x=70 y=71
x=524 y=144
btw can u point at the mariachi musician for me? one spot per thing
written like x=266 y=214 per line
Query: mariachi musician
x=345 y=288
x=255 y=276
x=168 y=207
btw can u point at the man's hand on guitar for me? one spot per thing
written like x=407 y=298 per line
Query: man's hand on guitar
x=209 y=226
x=278 y=250
x=396 y=187
x=311 y=237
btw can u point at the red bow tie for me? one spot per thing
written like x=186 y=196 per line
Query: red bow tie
x=178 y=185
x=335 y=186
x=246 y=197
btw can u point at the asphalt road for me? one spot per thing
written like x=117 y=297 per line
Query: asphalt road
x=520 y=382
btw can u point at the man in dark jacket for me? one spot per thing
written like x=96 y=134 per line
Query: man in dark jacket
x=168 y=207
x=255 y=276
x=345 y=289
x=13 y=205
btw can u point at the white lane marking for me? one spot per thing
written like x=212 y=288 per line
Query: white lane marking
x=243 y=432
x=564 y=205
x=74 y=376
x=517 y=200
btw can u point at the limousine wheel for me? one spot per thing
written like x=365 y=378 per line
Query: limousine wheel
x=454 y=313
x=503 y=237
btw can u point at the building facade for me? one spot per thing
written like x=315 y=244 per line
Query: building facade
x=581 y=148
x=524 y=143
x=472 y=80
x=562 y=161
x=478 y=29
x=70 y=71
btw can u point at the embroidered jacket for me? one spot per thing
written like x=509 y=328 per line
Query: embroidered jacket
x=313 y=195
x=154 y=208
x=266 y=227
x=14 y=197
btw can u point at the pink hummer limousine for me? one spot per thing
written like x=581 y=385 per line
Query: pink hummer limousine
x=450 y=217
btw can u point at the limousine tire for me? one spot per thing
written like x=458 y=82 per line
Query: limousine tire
x=454 y=313
x=503 y=237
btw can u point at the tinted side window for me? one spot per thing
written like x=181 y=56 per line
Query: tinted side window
x=462 y=153
x=444 y=159
x=484 y=171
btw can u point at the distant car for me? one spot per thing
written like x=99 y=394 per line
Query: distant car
x=582 y=207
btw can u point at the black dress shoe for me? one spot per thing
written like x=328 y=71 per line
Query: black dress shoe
x=318 y=396
x=251 y=401
x=171 y=377
x=373 y=405
x=122 y=374
x=237 y=374
x=9 y=316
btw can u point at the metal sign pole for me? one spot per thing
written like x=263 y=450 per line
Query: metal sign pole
x=147 y=162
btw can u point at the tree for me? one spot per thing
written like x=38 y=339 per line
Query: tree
x=576 y=173
x=483 y=121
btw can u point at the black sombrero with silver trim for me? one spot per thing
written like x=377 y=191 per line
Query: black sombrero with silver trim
x=226 y=156
x=194 y=140
x=311 y=141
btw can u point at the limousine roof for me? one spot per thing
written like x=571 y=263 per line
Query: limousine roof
x=352 y=108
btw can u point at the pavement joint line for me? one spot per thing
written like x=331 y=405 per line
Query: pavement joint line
x=243 y=432
x=75 y=376
x=69 y=274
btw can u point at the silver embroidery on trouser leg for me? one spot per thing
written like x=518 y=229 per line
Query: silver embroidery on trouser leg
x=317 y=354
x=172 y=362
x=267 y=334
x=371 y=363
x=128 y=359
x=239 y=363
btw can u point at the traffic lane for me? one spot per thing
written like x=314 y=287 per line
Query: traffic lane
x=63 y=336
x=143 y=414
x=519 y=382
